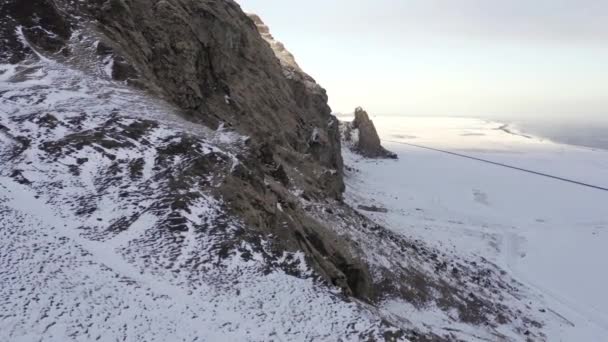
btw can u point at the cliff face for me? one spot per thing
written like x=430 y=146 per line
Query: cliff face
x=249 y=187
x=287 y=59
x=223 y=72
x=209 y=60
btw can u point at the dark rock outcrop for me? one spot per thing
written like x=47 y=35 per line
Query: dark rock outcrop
x=362 y=134
x=40 y=22
x=373 y=209
x=209 y=59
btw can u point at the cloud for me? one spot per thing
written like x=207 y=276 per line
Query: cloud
x=557 y=21
x=554 y=20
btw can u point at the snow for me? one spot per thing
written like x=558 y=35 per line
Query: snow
x=67 y=275
x=83 y=290
x=548 y=234
x=432 y=318
x=315 y=135
x=7 y=71
x=25 y=43
x=108 y=66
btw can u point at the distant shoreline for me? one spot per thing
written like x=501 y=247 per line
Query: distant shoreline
x=589 y=135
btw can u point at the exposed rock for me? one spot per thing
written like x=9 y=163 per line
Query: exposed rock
x=363 y=137
x=286 y=57
x=324 y=138
x=372 y=209
x=40 y=22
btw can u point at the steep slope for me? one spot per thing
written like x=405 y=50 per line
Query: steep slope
x=112 y=229
x=161 y=167
x=113 y=225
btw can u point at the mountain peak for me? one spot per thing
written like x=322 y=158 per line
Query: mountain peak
x=279 y=49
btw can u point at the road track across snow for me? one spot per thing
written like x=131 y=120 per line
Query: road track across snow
x=502 y=165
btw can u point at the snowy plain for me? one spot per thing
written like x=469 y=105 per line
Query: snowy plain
x=547 y=233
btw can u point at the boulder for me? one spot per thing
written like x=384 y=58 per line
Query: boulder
x=368 y=142
x=373 y=209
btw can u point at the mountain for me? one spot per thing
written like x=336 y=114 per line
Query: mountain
x=168 y=172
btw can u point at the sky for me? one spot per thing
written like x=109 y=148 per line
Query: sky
x=541 y=59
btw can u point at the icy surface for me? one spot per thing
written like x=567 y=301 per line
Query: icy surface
x=548 y=234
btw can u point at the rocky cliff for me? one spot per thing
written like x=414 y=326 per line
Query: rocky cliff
x=361 y=136
x=178 y=150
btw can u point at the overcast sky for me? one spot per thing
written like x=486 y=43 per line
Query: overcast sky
x=534 y=58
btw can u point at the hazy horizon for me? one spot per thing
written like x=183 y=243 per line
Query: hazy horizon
x=542 y=60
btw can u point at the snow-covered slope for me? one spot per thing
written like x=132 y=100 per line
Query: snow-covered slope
x=110 y=230
x=549 y=234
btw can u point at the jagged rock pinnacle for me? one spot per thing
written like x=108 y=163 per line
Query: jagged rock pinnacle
x=367 y=141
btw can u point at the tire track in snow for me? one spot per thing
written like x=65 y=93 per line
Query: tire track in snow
x=502 y=165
